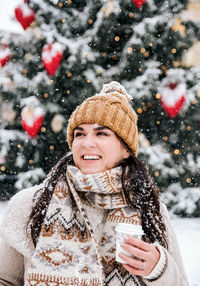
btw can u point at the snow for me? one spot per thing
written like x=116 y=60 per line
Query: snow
x=188 y=235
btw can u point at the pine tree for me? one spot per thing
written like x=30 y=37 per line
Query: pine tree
x=135 y=42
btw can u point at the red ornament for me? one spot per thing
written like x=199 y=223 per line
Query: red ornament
x=32 y=119
x=173 y=98
x=51 y=57
x=139 y=3
x=24 y=15
x=4 y=55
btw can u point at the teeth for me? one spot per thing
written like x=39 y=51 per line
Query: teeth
x=90 y=157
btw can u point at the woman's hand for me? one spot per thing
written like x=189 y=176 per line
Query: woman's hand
x=144 y=258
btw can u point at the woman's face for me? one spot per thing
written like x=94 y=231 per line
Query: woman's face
x=96 y=148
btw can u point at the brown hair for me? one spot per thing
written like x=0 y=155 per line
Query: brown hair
x=139 y=190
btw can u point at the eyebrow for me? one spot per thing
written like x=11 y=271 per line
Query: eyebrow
x=96 y=129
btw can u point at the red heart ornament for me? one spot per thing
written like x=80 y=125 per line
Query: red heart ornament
x=173 y=98
x=139 y=3
x=4 y=56
x=24 y=15
x=32 y=119
x=51 y=57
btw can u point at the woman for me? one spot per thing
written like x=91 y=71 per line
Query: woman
x=63 y=231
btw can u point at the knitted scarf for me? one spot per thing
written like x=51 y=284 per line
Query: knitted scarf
x=67 y=252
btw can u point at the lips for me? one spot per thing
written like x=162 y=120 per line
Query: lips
x=91 y=157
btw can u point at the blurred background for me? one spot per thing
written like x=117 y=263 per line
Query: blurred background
x=56 y=53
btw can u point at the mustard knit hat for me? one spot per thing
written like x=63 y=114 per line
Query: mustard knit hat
x=109 y=108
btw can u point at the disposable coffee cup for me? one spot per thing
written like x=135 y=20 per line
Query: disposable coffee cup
x=122 y=231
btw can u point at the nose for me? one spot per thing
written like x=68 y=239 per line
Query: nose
x=89 y=141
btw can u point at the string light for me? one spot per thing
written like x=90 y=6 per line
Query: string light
x=149 y=104
x=142 y=50
x=19 y=146
x=3 y=168
x=63 y=21
x=131 y=15
x=156 y=173
x=99 y=71
x=189 y=128
x=176 y=151
x=129 y=50
x=140 y=69
x=158 y=96
x=173 y=51
x=150 y=44
x=146 y=54
x=88 y=80
x=165 y=138
x=86 y=56
x=31 y=162
x=51 y=81
x=158 y=122
x=69 y=74
x=25 y=71
x=114 y=57
x=139 y=110
x=43 y=129
x=90 y=21
x=60 y=5
x=45 y=95
x=69 y=2
x=51 y=147
x=68 y=91
x=188 y=180
x=117 y=38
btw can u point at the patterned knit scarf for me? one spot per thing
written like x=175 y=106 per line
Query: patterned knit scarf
x=67 y=252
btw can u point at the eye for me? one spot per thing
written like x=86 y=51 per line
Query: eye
x=102 y=133
x=78 y=134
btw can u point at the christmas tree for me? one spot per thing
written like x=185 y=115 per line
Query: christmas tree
x=69 y=50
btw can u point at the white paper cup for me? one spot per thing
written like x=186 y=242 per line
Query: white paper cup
x=122 y=231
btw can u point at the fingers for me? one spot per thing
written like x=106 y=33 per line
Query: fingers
x=143 y=256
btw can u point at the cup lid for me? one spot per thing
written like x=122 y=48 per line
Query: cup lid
x=129 y=228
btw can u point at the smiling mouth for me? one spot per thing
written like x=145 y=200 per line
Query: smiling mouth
x=90 y=157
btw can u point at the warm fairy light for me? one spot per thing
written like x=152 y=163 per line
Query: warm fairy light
x=165 y=138
x=142 y=50
x=99 y=71
x=68 y=91
x=86 y=56
x=104 y=54
x=129 y=50
x=88 y=80
x=51 y=81
x=158 y=96
x=189 y=128
x=90 y=21
x=43 y=129
x=30 y=162
x=69 y=2
x=19 y=146
x=150 y=44
x=102 y=8
x=117 y=38
x=3 y=168
x=25 y=71
x=51 y=147
x=145 y=108
x=45 y=95
x=188 y=180
x=149 y=104
x=173 y=51
x=114 y=57
x=163 y=68
x=63 y=20
x=131 y=15
x=69 y=74
x=139 y=110
x=119 y=10
x=140 y=69
x=60 y=5
x=176 y=151
x=146 y=54
x=156 y=173
x=158 y=122
x=194 y=101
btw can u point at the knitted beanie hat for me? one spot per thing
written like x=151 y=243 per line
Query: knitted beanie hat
x=109 y=108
